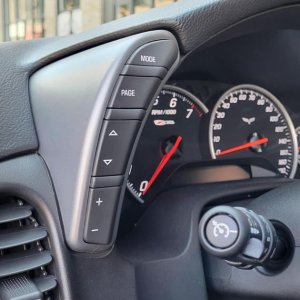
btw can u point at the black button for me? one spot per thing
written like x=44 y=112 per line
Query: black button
x=160 y=54
x=125 y=114
x=133 y=70
x=134 y=92
x=106 y=181
x=115 y=143
x=100 y=216
x=221 y=231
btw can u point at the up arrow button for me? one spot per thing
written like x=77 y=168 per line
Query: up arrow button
x=113 y=133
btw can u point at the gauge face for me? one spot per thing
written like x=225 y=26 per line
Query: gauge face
x=169 y=139
x=249 y=122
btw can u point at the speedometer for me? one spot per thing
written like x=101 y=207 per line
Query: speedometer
x=249 y=122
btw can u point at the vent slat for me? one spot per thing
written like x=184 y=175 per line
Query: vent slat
x=19 y=287
x=23 y=254
x=23 y=261
x=14 y=213
x=21 y=237
x=45 y=284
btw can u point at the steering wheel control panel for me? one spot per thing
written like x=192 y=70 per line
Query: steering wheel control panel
x=107 y=92
x=136 y=86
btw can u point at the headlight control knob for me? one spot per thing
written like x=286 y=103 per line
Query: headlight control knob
x=238 y=235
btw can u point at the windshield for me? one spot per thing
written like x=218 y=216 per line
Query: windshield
x=30 y=19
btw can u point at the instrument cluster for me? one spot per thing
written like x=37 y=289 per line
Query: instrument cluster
x=203 y=132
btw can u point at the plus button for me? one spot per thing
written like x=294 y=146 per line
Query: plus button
x=99 y=201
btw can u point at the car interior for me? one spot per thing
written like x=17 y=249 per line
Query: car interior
x=154 y=157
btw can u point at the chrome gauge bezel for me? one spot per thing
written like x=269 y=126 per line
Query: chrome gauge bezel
x=279 y=105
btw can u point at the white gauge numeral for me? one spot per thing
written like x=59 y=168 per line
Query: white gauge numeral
x=218 y=151
x=284 y=152
x=189 y=112
x=173 y=102
x=233 y=100
x=269 y=109
x=217 y=139
x=155 y=102
x=220 y=115
x=217 y=126
x=274 y=119
x=282 y=162
x=226 y=105
x=261 y=102
x=283 y=141
x=143 y=185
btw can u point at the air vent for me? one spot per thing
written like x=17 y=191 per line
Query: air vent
x=24 y=255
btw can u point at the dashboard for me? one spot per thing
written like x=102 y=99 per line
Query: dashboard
x=229 y=122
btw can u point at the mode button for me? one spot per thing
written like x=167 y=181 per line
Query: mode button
x=161 y=53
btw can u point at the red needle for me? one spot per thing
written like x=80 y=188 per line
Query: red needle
x=243 y=146
x=162 y=163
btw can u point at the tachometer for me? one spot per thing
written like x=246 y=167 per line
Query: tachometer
x=170 y=138
x=250 y=122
